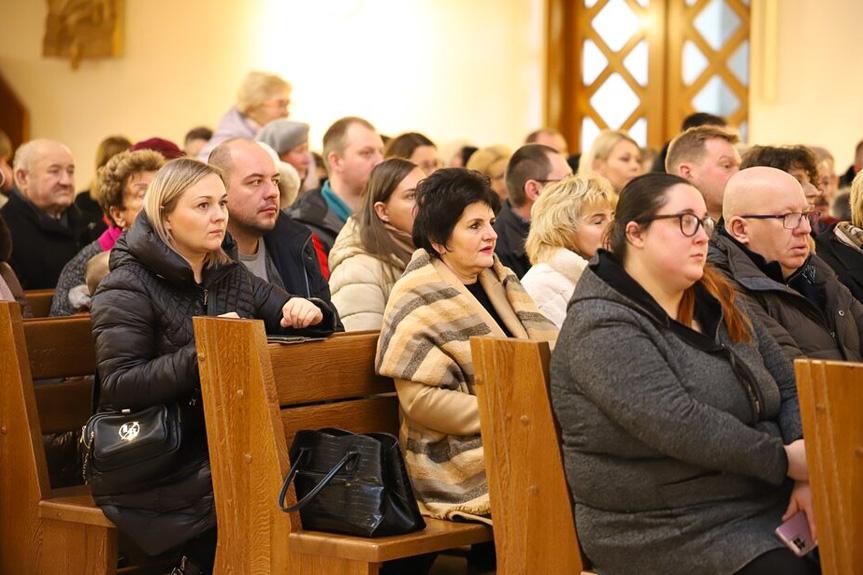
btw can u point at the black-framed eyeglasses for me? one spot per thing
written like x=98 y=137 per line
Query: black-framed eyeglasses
x=791 y=220
x=689 y=223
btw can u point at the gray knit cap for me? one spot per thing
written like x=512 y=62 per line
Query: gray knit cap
x=284 y=135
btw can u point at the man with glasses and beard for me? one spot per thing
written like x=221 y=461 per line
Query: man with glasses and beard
x=764 y=249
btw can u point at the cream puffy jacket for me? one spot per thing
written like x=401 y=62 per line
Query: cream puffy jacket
x=359 y=282
x=551 y=282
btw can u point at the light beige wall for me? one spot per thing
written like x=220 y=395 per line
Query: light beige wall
x=817 y=76
x=450 y=68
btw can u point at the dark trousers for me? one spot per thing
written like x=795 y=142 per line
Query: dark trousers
x=780 y=561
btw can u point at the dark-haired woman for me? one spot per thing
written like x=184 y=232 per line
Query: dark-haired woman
x=679 y=417
x=375 y=245
x=415 y=147
x=453 y=288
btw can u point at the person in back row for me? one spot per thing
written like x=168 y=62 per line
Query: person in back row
x=679 y=419
x=352 y=148
x=290 y=141
x=707 y=158
x=173 y=264
x=120 y=188
x=47 y=228
x=415 y=147
x=530 y=169
x=373 y=249
x=569 y=220
x=764 y=250
x=841 y=244
x=88 y=200
x=614 y=156
x=491 y=162
x=262 y=98
x=270 y=244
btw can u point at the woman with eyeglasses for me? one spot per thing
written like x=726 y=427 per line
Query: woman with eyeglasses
x=680 y=426
x=262 y=98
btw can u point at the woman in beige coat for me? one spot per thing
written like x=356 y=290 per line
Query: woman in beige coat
x=374 y=246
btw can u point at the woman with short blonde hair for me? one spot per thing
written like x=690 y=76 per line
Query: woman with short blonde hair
x=491 y=162
x=613 y=155
x=566 y=228
x=262 y=98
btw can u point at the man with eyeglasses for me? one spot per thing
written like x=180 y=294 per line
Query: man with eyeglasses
x=530 y=169
x=765 y=249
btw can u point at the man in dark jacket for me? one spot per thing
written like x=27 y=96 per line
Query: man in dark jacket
x=352 y=148
x=271 y=245
x=764 y=249
x=530 y=169
x=47 y=228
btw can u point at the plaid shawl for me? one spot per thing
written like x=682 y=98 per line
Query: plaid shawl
x=429 y=319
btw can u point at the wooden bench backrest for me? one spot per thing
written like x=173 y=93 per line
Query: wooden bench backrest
x=34 y=349
x=61 y=347
x=256 y=397
x=40 y=301
x=831 y=400
x=534 y=528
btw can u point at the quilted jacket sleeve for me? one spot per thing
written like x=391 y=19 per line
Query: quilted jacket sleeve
x=133 y=375
x=269 y=300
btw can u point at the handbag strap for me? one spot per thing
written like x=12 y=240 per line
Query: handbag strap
x=323 y=483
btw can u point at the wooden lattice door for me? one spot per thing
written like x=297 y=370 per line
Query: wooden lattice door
x=643 y=65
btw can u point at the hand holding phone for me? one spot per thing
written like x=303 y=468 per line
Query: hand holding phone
x=796 y=535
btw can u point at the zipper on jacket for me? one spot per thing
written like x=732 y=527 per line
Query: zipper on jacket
x=206 y=297
x=315 y=261
x=751 y=390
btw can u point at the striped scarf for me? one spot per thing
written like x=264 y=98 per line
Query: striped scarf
x=429 y=318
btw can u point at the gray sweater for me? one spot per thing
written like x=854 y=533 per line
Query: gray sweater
x=672 y=466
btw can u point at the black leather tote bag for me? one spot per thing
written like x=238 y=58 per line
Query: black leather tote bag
x=350 y=483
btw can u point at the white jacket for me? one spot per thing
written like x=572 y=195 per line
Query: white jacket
x=359 y=283
x=551 y=282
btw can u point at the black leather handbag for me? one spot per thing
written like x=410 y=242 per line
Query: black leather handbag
x=124 y=451
x=350 y=483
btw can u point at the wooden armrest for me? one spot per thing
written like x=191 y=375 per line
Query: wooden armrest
x=437 y=536
x=74 y=505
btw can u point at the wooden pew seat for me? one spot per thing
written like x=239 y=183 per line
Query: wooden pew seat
x=256 y=397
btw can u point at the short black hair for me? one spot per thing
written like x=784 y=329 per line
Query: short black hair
x=529 y=162
x=702 y=119
x=441 y=200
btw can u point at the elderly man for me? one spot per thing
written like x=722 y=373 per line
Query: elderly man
x=47 y=228
x=271 y=245
x=706 y=156
x=530 y=169
x=352 y=148
x=764 y=249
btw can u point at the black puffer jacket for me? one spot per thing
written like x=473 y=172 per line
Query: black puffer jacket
x=145 y=351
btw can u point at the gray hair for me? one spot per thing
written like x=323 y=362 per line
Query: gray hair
x=28 y=153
